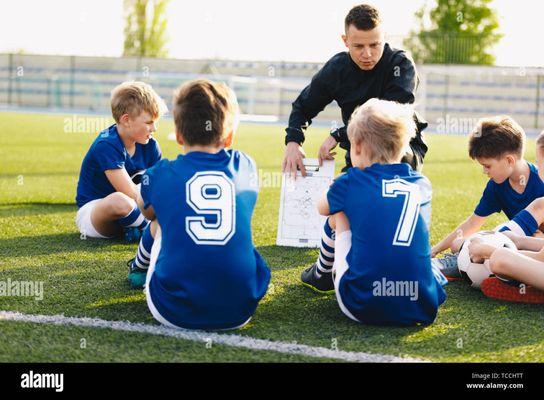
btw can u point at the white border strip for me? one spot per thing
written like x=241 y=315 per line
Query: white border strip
x=203 y=336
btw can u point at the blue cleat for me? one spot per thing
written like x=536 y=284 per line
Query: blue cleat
x=136 y=275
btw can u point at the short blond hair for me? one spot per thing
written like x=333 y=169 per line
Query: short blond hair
x=205 y=111
x=384 y=127
x=133 y=98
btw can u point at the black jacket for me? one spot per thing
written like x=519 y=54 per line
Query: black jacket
x=393 y=78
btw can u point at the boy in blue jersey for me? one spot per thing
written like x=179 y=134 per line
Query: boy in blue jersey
x=498 y=144
x=204 y=272
x=375 y=252
x=106 y=193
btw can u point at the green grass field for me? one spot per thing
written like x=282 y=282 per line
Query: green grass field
x=39 y=164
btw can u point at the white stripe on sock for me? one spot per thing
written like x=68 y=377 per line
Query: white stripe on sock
x=140 y=265
x=327 y=240
x=144 y=252
x=138 y=221
x=323 y=265
x=326 y=253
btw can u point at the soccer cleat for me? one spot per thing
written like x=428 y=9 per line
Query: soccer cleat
x=136 y=276
x=448 y=266
x=132 y=235
x=497 y=289
x=320 y=282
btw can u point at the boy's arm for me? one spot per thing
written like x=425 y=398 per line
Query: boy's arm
x=526 y=242
x=471 y=225
x=323 y=205
x=148 y=212
x=538 y=256
x=121 y=182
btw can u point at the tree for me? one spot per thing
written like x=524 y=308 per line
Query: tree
x=455 y=32
x=145 y=28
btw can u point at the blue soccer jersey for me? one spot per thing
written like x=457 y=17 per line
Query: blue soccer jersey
x=208 y=274
x=108 y=152
x=499 y=197
x=389 y=280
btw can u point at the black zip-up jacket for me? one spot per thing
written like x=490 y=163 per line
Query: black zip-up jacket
x=393 y=78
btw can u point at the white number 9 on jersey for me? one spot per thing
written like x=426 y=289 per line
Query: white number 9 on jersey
x=211 y=193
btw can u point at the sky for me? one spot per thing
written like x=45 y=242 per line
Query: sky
x=286 y=30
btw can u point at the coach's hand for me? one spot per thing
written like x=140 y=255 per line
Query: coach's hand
x=325 y=150
x=294 y=156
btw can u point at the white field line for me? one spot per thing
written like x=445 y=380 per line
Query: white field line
x=206 y=337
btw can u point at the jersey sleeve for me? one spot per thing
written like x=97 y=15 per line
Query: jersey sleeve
x=311 y=101
x=402 y=82
x=156 y=154
x=337 y=193
x=108 y=157
x=253 y=174
x=488 y=203
x=426 y=191
x=146 y=187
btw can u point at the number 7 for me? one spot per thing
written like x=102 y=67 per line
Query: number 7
x=410 y=210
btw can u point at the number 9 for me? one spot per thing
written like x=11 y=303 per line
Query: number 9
x=211 y=193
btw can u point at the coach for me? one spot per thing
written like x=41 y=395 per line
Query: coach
x=370 y=68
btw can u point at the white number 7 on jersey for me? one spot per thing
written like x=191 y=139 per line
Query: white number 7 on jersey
x=410 y=210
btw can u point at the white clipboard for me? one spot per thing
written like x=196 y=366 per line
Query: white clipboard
x=299 y=223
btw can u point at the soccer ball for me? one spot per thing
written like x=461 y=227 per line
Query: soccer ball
x=475 y=273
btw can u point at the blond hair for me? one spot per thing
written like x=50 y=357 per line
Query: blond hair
x=133 y=98
x=205 y=111
x=384 y=128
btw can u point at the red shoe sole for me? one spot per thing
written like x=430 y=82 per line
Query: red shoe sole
x=496 y=289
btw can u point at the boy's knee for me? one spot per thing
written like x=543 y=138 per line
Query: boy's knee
x=121 y=205
x=497 y=261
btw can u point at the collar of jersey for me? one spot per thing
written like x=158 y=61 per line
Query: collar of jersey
x=200 y=155
x=113 y=131
x=401 y=168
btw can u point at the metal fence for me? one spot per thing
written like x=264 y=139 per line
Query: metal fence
x=450 y=97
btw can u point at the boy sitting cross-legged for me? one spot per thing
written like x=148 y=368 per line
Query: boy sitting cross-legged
x=106 y=193
x=498 y=144
x=204 y=271
x=375 y=252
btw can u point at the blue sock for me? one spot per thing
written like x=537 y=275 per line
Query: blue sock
x=133 y=219
x=326 y=250
x=144 y=249
x=522 y=224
